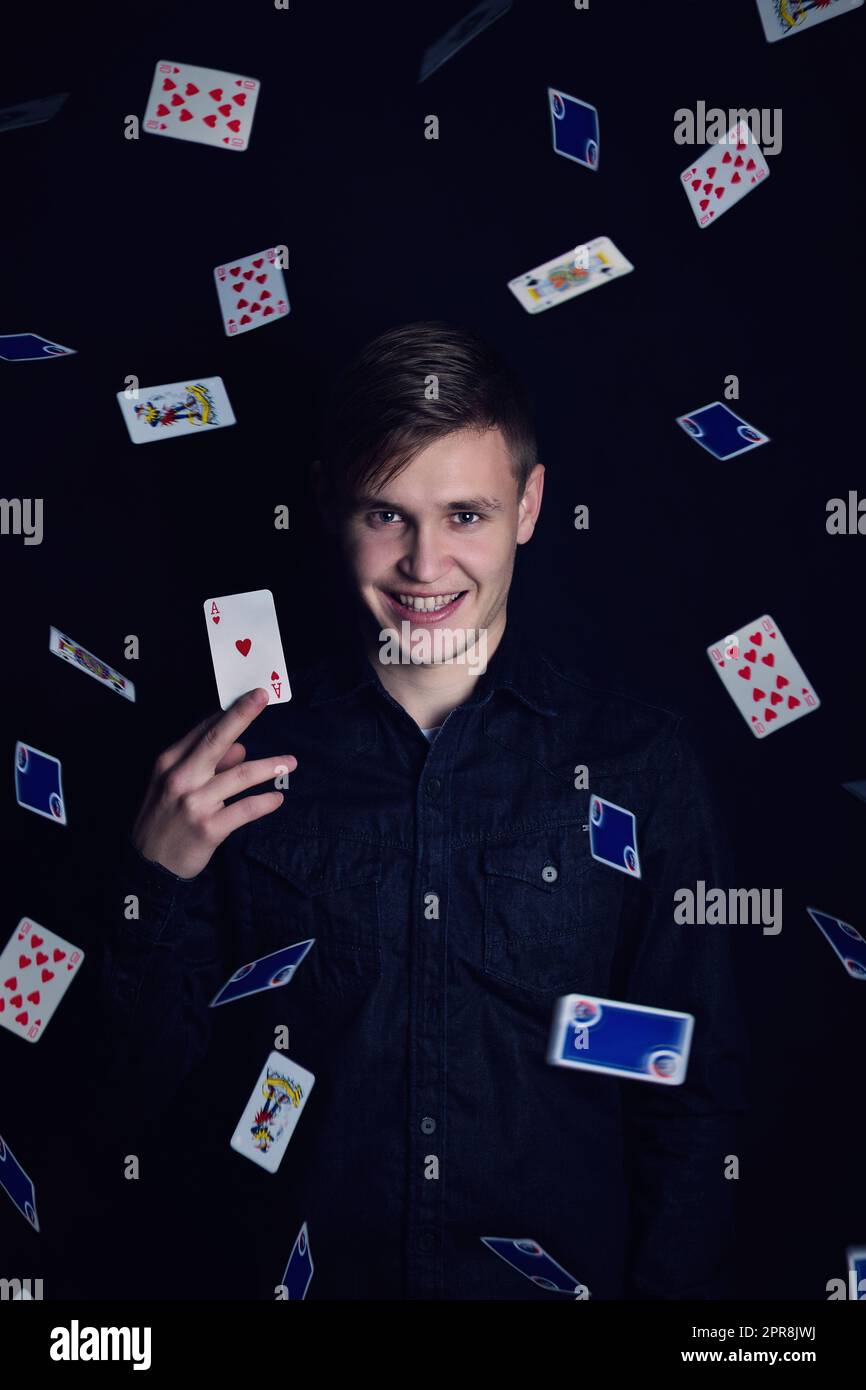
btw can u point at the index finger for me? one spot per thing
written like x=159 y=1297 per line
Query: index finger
x=219 y=737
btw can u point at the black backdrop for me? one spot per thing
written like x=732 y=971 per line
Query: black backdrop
x=109 y=246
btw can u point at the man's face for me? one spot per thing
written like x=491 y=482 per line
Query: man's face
x=435 y=547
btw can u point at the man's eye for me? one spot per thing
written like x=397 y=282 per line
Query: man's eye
x=476 y=514
x=375 y=516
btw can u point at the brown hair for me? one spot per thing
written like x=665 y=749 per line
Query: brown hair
x=380 y=416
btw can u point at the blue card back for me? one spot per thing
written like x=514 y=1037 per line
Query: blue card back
x=299 y=1270
x=575 y=128
x=613 y=836
x=270 y=972
x=722 y=433
x=629 y=1040
x=15 y=1181
x=846 y=941
x=528 y=1257
x=37 y=783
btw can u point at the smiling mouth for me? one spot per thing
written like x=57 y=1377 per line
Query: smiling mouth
x=424 y=605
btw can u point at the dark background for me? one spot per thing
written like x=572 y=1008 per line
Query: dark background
x=108 y=246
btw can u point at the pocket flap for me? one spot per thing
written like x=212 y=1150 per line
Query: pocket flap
x=548 y=860
x=315 y=864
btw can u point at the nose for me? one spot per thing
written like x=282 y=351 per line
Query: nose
x=425 y=559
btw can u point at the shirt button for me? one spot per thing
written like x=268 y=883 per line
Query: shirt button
x=549 y=874
x=427 y=1241
x=428 y=1124
x=434 y=787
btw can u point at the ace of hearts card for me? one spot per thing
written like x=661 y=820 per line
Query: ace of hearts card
x=246 y=647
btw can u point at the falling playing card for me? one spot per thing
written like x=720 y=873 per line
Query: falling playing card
x=629 y=1040
x=270 y=972
x=30 y=347
x=67 y=650
x=575 y=128
x=251 y=292
x=19 y=1186
x=33 y=112
x=245 y=646
x=201 y=104
x=846 y=941
x=529 y=1259
x=781 y=18
x=182 y=408
x=724 y=174
x=766 y=683
x=575 y=272
x=36 y=969
x=273 y=1111
x=460 y=34
x=722 y=433
x=299 y=1269
x=39 y=783
x=613 y=836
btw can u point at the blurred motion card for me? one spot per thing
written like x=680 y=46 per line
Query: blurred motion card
x=722 y=433
x=583 y=268
x=181 y=408
x=857 y=789
x=70 y=651
x=299 y=1270
x=724 y=174
x=204 y=105
x=846 y=941
x=613 y=836
x=273 y=1111
x=36 y=968
x=530 y=1260
x=246 y=647
x=782 y=18
x=39 y=783
x=30 y=347
x=460 y=34
x=575 y=128
x=34 y=112
x=630 y=1040
x=763 y=678
x=251 y=292
x=16 y=1183
x=270 y=972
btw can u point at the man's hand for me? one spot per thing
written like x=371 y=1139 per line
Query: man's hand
x=184 y=817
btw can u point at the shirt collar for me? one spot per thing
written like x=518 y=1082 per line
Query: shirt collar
x=517 y=666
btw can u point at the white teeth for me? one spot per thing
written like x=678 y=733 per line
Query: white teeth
x=427 y=605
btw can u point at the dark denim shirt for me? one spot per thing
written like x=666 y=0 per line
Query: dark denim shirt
x=427 y=1033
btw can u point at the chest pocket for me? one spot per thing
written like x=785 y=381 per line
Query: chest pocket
x=326 y=889
x=550 y=912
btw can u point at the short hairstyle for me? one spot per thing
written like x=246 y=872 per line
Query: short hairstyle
x=381 y=414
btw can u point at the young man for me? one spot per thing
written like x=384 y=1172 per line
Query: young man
x=435 y=845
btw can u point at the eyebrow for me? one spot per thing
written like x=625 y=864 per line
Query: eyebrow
x=466 y=504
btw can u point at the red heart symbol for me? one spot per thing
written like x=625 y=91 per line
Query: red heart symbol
x=769 y=714
x=217 y=94
x=235 y=126
x=2 y=1005
x=21 y=1018
x=24 y=961
x=168 y=85
x=768 y=660
x=792 y=701
x=775 y=698
x=248 y=275
x=224 y=110
x=780 y=681
x=750 y=656
x=47 y=975
x=240 y=98
x=191 y=89
x=215 y=618
x=210 y=120
x=726 y=159
x=36 y=940
x=235 y=270
x=736 y=179
x=11 y=983
x=242 y=304
x=260 y=279
x=705 y=203
x=711 y=171
x=34 y=997
x=255 y=308
x=162 y=110
x=17 y=1001
x=238 y=286
x=268 y=310
x=756 y=638
x=745 y=673
x=751 y=165
x=58 y=954
x=70 y=966
x=41 y=958
x=708 y=187
x=741 y=144
x=720 y=193
x=177 y=99
x=186 y=115
x=246 y=319
x=696 y=183
x=259 y=262
x=243 y=645
x=738 y=162
x=265 y=294
x=758 y=694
